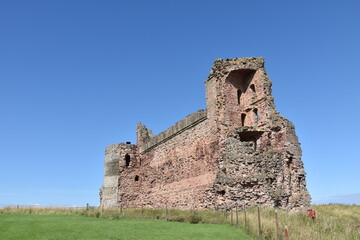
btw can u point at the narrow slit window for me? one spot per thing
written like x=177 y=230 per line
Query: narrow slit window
x=238 y=95
x=127 y=160
x=290 y=161
x=243 y=116
x=299 y=181
x=256 y=114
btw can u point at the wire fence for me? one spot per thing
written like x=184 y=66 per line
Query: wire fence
x=24 y=206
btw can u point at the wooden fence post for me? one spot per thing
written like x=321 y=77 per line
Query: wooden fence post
x=278 y=237
x=225 y=214
x=244 y=206
x=237 y=217
x=286 y=233
x=166 y=211
x=259 y=222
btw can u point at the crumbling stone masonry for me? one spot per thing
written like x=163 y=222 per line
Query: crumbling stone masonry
x=238 y=150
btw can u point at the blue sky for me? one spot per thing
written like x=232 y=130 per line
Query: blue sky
x=76 y=76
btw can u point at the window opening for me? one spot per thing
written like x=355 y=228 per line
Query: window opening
x=127 y=160
x=251 y=137
x=290 y=161
x=136 y=178
x=252 y=87
x=289 y=164
x=239 y=95
x=256 y=114
x=221 y=192
x=241 y=78
x=243 y=116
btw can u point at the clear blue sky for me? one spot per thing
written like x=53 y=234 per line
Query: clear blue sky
x=76 y=76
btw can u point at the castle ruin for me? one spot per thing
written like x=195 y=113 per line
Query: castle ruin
x=237 y=151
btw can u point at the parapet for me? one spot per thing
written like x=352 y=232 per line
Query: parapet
x=182 y=125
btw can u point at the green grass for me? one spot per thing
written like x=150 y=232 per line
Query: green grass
x=57 y=226
x=334 y=222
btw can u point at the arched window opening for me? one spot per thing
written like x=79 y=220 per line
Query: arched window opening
x=136 y=178
x=252 y=87
x=238 y=95
x=243 y=116
x=256 y=114
x=241 y=78
x=127 y=160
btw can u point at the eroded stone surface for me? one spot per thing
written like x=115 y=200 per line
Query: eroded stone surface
x=239 y=150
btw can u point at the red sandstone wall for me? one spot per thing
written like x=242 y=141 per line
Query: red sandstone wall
x=177 y=172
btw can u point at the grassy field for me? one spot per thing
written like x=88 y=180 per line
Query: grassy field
x=334 y=222
x=50 y=226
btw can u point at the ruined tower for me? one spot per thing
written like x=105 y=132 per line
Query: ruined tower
x=239 y=150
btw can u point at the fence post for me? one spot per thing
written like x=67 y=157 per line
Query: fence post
x=278 y=237
x=237 y=217
x=259 y=222
x=87 y=206
x=286 y=233
x=245 y=215
x=166 y=211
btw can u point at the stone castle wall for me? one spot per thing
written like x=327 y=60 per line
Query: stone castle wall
x=179 y=127
x=176 y=172
x=238 y=150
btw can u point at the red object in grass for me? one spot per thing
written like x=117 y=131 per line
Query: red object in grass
x=311 y=213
